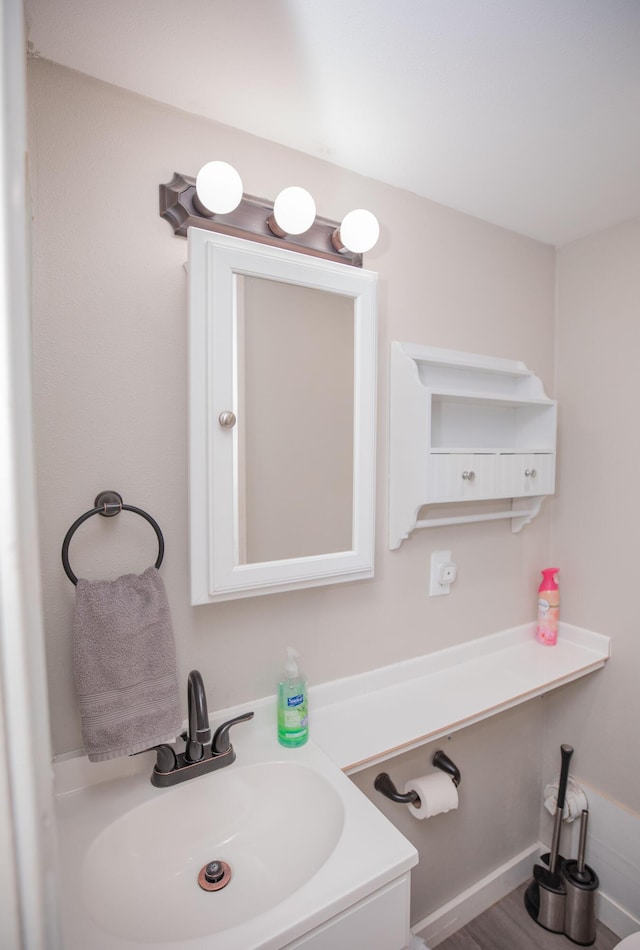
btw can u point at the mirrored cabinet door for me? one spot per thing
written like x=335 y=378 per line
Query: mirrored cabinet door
x=282 y=419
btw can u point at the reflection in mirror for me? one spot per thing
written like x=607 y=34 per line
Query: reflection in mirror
x=295 y=420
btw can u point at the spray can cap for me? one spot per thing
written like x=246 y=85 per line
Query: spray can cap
x=549 y=578
x=291 y=666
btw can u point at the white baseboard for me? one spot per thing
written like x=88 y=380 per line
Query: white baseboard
x=479 y=897
x=613 y=849
x=616 y=918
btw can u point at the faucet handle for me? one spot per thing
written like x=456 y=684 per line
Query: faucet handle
x=165 y=758
x=221 y=742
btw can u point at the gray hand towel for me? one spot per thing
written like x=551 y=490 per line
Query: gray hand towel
x=124 y=662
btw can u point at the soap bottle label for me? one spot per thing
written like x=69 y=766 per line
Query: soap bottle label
x=293 y=719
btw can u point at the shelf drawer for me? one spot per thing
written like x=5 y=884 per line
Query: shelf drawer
x=525 y=474
x=461 y=477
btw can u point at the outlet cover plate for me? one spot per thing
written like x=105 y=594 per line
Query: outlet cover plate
x=438 y=559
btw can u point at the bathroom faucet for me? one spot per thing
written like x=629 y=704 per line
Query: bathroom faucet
x=201 y=753
x=199 y=732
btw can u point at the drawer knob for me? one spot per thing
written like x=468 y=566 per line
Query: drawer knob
x=469 y=476
x=530 y=472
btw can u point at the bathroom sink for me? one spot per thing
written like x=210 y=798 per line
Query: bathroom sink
x=140 y=875
x=304 y=846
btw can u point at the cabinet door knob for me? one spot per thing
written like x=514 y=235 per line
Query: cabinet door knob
x=469 y=476
x=530 y=472
x=227 y=419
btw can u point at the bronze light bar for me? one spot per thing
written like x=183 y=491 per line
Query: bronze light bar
x=248 y=221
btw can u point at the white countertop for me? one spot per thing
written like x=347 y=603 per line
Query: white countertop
x=364 y=719
x=355 y=722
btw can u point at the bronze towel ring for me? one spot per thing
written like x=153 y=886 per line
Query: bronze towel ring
x=108 y=504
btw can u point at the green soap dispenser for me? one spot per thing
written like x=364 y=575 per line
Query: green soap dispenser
x=293 y=710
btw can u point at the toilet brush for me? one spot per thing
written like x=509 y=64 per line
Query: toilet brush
x=545 y=896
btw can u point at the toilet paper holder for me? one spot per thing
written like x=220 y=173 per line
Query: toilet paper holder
x=385 y=786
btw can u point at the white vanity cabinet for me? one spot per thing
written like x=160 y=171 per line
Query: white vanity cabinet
x=378 y=922
x=466 y=428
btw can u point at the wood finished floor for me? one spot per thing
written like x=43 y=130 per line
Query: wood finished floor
x=507 y=926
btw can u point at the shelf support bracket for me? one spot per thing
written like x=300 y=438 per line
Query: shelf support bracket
x=523 y=511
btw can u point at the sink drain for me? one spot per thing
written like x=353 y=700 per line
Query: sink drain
x=214 y=876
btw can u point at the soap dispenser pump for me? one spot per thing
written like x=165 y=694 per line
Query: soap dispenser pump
x=293 y=715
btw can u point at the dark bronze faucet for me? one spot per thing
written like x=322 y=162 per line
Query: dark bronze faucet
x=201 y=753
x=199 y=734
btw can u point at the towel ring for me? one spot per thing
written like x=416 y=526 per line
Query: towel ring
x=108 y=504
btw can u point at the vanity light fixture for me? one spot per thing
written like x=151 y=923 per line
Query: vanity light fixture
x=359 y=232
x=214 y=201
x=294 y=211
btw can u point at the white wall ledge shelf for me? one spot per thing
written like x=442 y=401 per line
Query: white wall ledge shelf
x=366 y=719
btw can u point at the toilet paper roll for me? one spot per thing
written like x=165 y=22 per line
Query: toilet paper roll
x=437 y=794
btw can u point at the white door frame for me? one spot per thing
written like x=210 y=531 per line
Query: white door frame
x=28 y=892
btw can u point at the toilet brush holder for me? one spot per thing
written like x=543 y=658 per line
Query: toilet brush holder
x=581 y=885
x=580 y=904
x=545 y=899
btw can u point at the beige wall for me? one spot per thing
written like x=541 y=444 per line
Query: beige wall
x=596 y=525
x=110 y=367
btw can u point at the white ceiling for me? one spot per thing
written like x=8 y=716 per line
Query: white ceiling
x=523 y=112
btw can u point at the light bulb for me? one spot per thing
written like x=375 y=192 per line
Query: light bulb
x=218 y=188
x=358 y=232
x=294 y=211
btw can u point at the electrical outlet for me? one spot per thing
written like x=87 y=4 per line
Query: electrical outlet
x=448 y=573
x=443 y=573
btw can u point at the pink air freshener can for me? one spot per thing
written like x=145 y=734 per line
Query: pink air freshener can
x=548 y=608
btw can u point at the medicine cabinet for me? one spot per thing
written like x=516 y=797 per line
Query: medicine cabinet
x=282 y=419
x=466 y=429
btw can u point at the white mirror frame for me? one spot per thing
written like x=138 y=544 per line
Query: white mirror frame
x=214 y=262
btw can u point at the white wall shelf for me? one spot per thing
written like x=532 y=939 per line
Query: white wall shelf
x=465 y=429
x=366 y=719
